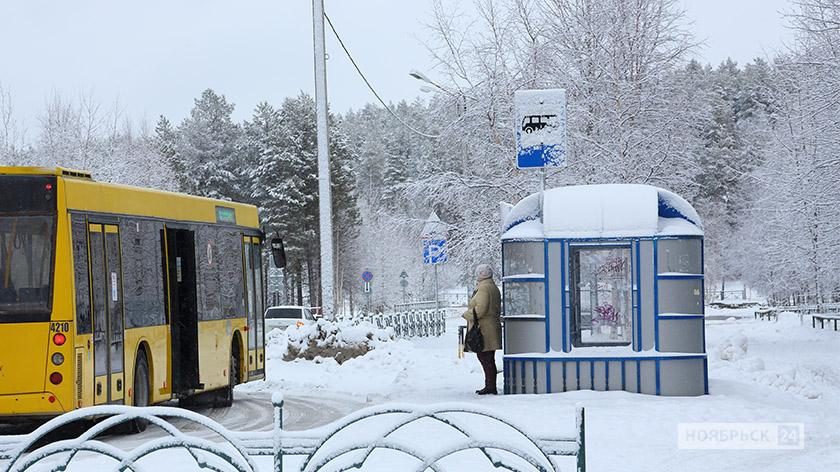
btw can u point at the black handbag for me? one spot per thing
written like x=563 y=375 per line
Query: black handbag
x=474 y=340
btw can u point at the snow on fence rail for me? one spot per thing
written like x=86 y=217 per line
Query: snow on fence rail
x=423 y=323
x=415 y=306
x=350 y=443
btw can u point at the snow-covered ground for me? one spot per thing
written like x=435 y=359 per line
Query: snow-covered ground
x=760 y=371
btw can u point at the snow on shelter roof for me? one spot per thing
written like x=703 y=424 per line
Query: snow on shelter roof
x=602 y=211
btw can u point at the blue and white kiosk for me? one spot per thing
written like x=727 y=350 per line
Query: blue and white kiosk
x=604 y=292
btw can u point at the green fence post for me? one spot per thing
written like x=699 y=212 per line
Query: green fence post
x=277 y=401
x=581 y=440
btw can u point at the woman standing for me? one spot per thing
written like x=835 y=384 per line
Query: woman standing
x=486 y=306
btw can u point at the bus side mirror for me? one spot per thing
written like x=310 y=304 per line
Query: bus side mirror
x=278 y=252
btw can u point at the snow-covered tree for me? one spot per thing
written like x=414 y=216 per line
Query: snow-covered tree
x=206 y=147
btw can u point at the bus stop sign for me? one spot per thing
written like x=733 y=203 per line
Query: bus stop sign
x=540 y=121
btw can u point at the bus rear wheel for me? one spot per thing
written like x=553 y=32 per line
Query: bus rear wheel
x=234 y=373
x=141 y=390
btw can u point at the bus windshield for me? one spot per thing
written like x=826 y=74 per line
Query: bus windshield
x=26 y=258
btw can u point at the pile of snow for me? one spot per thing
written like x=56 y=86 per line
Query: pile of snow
x=528 y=209
x=339 y=340
x=405 y=370
x=732 y=348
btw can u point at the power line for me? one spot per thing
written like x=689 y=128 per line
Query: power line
x=375 y=93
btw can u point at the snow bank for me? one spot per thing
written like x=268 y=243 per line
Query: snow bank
x=339 y=340
x=785 y=356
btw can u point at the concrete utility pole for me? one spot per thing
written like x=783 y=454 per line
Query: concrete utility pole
x=324 y=191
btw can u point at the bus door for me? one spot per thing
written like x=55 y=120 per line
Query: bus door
x=106 y=291
x=254 y=302
x=183 y=309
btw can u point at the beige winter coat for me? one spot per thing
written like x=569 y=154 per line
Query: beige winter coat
x=487 y=302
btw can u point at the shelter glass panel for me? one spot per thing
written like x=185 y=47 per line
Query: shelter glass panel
x=682 y=256
x=524 y=298
x=524 y=258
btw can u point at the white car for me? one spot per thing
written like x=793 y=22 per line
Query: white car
x=281 y=317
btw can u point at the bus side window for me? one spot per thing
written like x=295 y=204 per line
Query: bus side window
x=80 y=272
x=142 y=263
x=258 y=289
x=250 y=301
x=209 y=283
x=230 y=256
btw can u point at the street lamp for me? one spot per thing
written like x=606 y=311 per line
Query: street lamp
x=424 y=78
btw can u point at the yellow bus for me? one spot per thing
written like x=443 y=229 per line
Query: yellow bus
x=111 y=294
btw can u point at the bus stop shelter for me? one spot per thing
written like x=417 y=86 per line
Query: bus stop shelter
x=603 y=290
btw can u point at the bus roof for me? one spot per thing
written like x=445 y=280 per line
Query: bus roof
x=83 y=193
x=33 y=170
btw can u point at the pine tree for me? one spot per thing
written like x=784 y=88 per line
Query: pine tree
x=164 y=143
x=283 y=144
x=207 y=147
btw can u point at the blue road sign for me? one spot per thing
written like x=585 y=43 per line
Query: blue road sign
x=367 y=276
x=434 y=251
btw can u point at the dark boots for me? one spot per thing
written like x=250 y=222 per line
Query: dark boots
x=488 y=363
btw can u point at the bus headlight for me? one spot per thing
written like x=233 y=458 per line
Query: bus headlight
x=58 y=358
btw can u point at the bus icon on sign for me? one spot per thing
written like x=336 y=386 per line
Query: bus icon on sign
x=533 y=123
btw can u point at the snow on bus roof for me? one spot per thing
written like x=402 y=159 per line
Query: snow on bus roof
x=602 y=211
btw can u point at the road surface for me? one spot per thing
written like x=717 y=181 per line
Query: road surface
x=250 y=412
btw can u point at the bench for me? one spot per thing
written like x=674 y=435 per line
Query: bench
x=823 y=319
x=768 y=313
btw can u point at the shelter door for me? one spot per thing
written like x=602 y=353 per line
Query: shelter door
x=601 y=295
x=107 y=308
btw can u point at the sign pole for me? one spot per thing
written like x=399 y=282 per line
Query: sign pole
x=324 y=191
x=367 y=276
x=437 y=305
x=542 y=193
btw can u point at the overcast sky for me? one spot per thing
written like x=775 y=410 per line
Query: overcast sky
x=156 y=56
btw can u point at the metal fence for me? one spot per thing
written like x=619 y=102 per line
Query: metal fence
x=338 y=447
x=411 y=324
x=824 y=308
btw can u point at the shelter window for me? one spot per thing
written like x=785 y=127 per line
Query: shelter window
x=524 y=258
x=524 y=298
x=680 y=256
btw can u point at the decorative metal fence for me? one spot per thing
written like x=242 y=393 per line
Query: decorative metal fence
x=350 y=443
x=411 y=324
